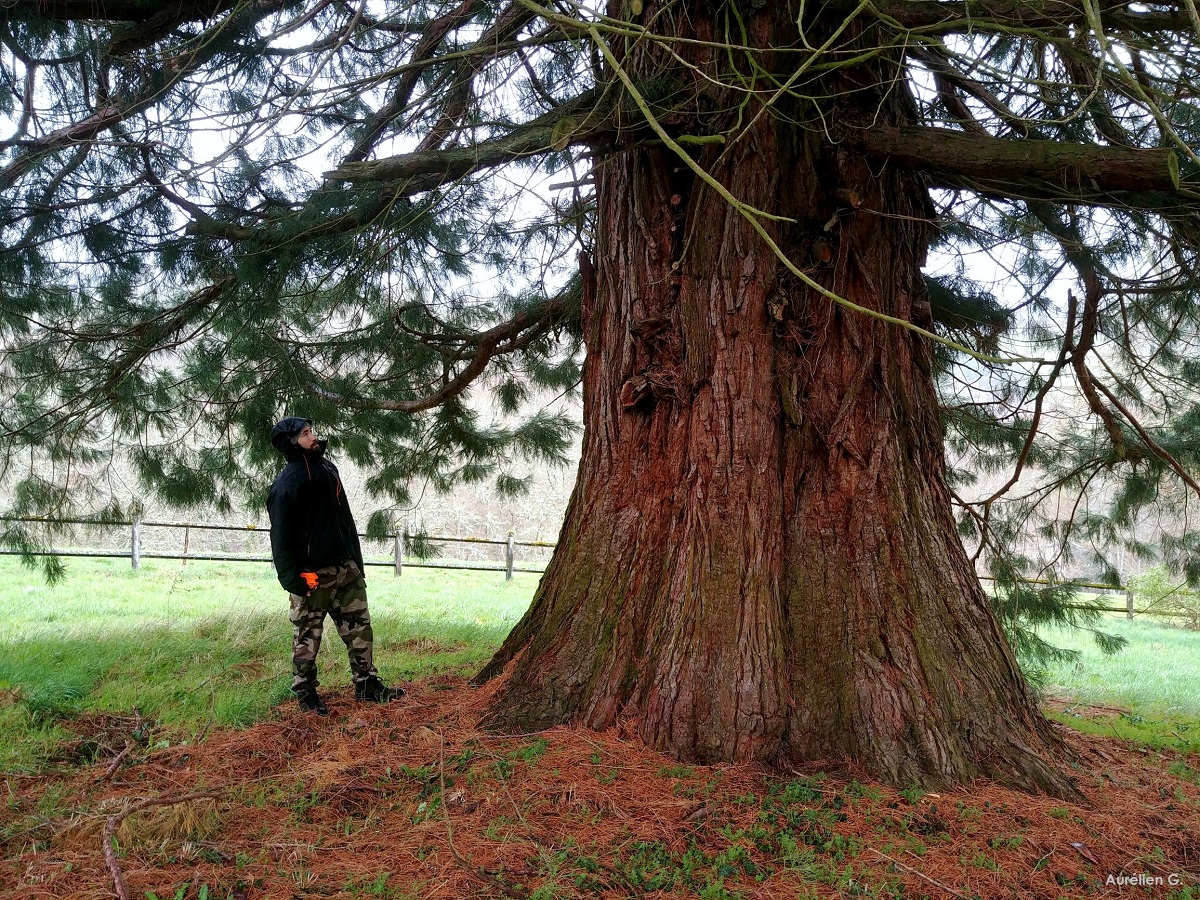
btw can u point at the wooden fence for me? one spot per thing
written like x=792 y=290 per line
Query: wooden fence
x=398 y=562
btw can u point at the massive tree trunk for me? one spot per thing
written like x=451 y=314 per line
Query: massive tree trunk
x=759 y=561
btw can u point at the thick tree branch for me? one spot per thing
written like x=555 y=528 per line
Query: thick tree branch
x=26 y=103
x=1161 y=452
x=144 y=34
x=1039 y=169
x=112 y=114
x=458 y=96
x=950 y=80
x=203 y=223
x=1064 y=353
x=570 y=123
x=113 y=10
x=432 y=38
x=72 y=135
x=450 y=164
x=1089 y=321
x=1096 y=101
x=507 y=337
x=1003 y=15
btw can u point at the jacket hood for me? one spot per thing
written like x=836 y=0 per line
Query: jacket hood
x=284 y=431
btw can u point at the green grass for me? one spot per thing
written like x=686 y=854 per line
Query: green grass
x=184 y=645
x=1154 y=683
x=1161 y=733
x=1157 y=674
x=211 y=642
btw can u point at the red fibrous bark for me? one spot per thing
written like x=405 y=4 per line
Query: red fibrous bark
x=759 y=562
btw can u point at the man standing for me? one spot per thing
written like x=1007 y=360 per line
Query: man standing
x=314 y=544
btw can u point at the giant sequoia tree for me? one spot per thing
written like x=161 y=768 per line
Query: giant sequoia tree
x=387 y=215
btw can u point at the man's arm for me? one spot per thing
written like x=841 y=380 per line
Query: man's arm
x=356 y=546
x=347 y=517
x=286 y=527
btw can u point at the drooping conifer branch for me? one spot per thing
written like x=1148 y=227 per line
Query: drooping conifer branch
x=144 y=93
x=475 y=350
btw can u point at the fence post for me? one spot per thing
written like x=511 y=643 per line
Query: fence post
x=399 y=555
x=508 y=557
x=187 y=533
x=135 y=543
x=1128 y=604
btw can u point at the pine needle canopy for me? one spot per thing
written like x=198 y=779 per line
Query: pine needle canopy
x=220 y=211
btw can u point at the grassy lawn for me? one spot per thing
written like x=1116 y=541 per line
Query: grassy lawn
x=301 y=804
x=1153 y=685
x=210 y=642
x=1157 y=674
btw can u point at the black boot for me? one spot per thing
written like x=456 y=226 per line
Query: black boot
x=376 y=691
x=310 y=701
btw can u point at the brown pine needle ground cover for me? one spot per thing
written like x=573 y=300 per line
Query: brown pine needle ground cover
x=412 y=800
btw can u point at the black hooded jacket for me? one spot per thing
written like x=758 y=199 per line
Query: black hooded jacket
x=311 y=523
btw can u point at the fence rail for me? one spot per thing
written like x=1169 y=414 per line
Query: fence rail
x=1128 y=608
x=398 y=561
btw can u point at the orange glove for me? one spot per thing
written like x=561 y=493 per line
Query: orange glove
x=311 y=579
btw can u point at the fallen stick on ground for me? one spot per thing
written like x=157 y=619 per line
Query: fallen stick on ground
x=116 y=763
x=543 y=843
x=922 y=875
x=474 y=871
x=114 y=822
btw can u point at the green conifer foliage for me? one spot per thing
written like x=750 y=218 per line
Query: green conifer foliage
x=218 y=212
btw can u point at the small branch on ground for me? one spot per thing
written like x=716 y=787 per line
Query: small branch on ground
x=114 y=822
x=921 y=875
x=212 y=708
x=116 y=763
x=484 y=877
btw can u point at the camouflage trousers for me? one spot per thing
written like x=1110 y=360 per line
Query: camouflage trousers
x=342 y=595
